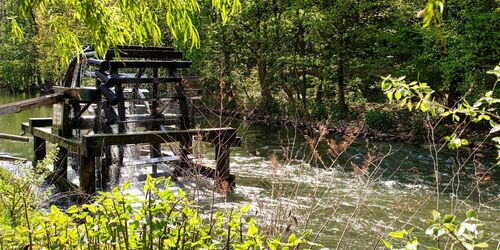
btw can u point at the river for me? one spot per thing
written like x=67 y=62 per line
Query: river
x=288 y=188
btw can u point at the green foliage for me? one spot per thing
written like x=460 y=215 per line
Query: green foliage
x=419 y=96
x=110 y=23
x=20 y=196
x=336 y=112
x=320 y=110
x=162 y=219
x=380 y=119
x=465 y=234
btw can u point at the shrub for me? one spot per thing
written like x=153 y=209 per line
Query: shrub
x=161 y=220
x=464 y=234
x=337 y=113
x=380 y=119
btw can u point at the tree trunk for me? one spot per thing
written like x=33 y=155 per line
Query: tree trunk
x=340 y=72
x=319 y=91
x=264 y=87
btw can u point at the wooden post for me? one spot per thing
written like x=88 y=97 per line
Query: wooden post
x=121 y=125
x=184 y=123
x=61 y=165
x=99 y=126
x=155 y=148
x=39 y=149
x=87 y=174
x=223 y=180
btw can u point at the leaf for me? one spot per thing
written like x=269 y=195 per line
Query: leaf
x=481 y=245
x=54 y=209
x=449 y=218
x=397 y=95
x=245 y=209
x=252 y=229
x=470 y=213
x=495 y=128
x=389 y=95
x=73 y=209
x=293 y=240
x=436 y=215
x=423 y=106
x=397 y=235
x=387 y=244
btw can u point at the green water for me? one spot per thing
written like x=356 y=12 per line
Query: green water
x=11 y=123
x=288 y=189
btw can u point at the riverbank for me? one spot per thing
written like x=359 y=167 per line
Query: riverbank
x=379 y=122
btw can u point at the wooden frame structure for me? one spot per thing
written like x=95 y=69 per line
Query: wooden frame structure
x=68 y=124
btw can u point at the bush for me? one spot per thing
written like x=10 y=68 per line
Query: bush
x=319 y=110
x=337 y=113
x=161 y=220
x=380 y=119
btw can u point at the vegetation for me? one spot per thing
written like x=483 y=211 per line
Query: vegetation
x=466 y=234
x=294 y=55
x=161 y=219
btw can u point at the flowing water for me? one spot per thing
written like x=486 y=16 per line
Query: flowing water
x=290 y=189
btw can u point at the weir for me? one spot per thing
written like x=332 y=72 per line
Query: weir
x=100 y=99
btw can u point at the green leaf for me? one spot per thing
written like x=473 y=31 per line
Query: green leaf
x=424 y=106
x=73 y=209
x=252 y=229
x=397 y=235
x=245 y=209
x=436 y=215
x=387 y=244
x=389 y=95
x=470 y=213
x=481 y=245
x=449 y=218
x=54 y=209
x=397 y=95
x=293 y=240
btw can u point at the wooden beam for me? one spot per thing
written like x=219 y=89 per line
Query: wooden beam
x=127 y=47
x=150 y=80
x=145 y=53
x=106 y=65
x=97 y=141
x=17 y=107
x=72 y=144
x=14 y=137
x=12 y=158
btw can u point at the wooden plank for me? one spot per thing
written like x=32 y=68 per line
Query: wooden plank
x=72 y=144
x=141 y=121
x=145 y=53
x=106 y=65
x=17 y=107
x=150 y=80
x=153 y=160
x=12 y=158
x=14 y=137
x=97 y=141
x=127 y=47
